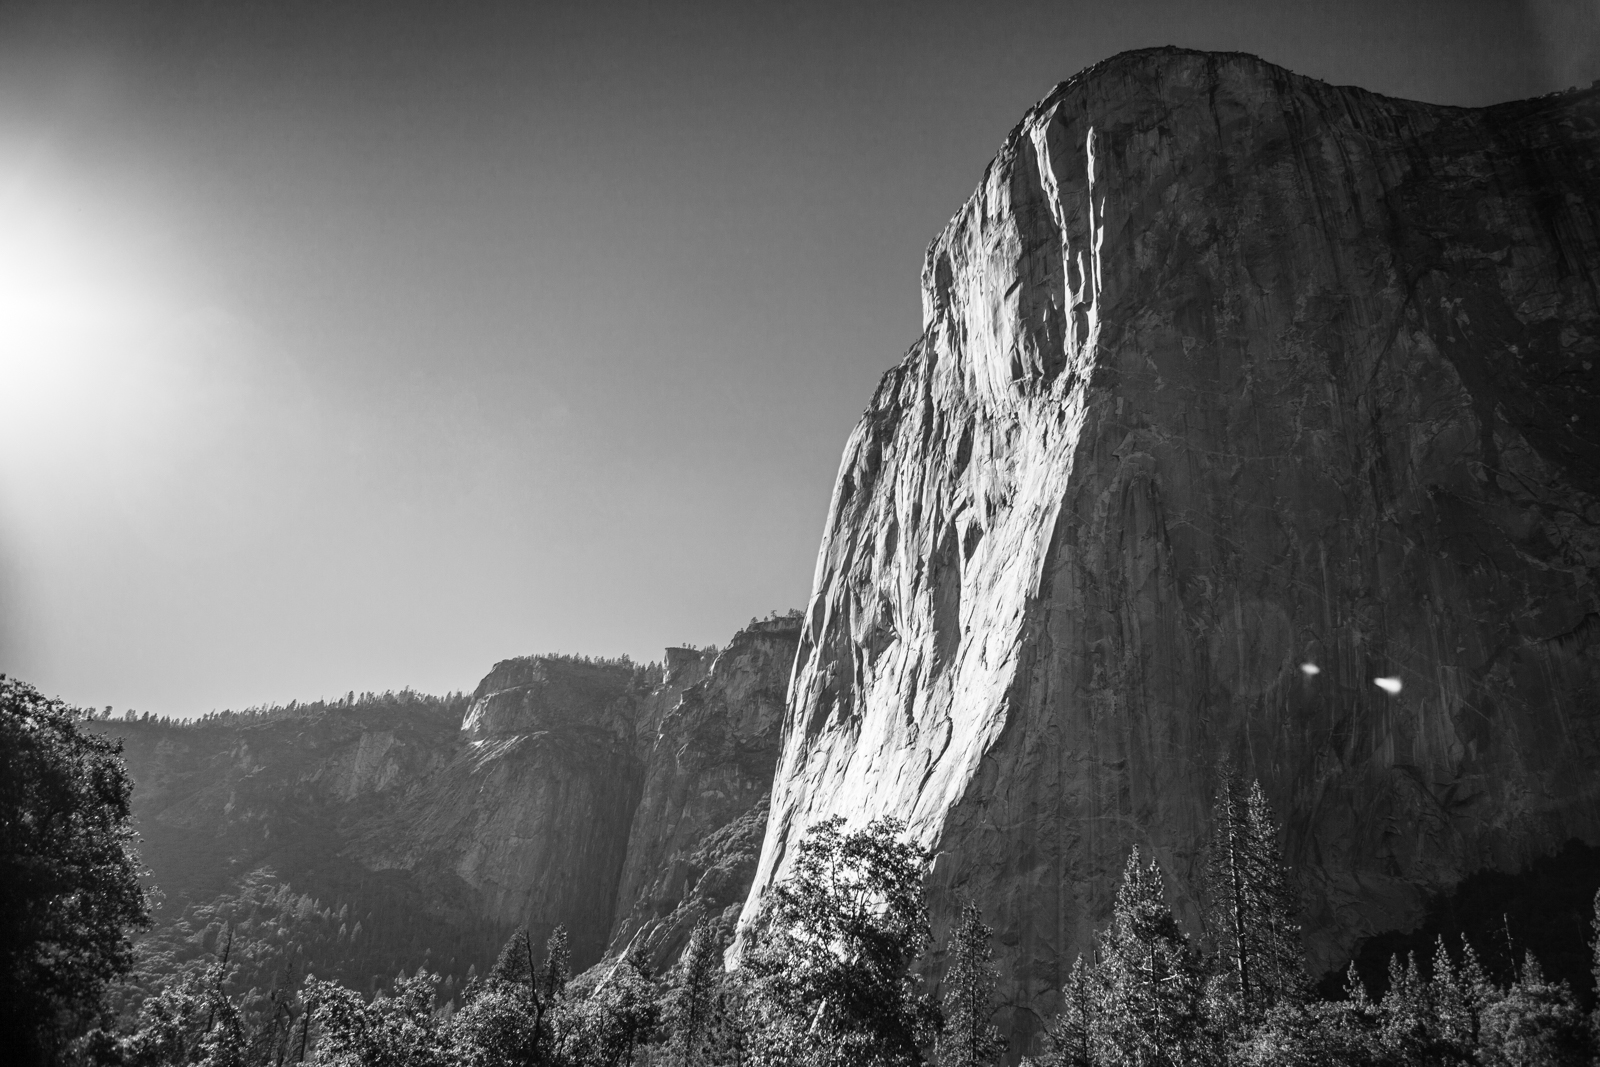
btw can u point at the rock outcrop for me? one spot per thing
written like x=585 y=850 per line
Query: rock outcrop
x=624 y=802
x=1225 y=371
x=703 y=810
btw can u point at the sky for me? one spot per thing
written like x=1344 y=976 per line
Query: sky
x=359 y=346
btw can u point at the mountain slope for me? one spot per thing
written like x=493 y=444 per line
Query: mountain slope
x=1225 y=371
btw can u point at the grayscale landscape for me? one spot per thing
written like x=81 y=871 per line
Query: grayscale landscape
x=404 y=411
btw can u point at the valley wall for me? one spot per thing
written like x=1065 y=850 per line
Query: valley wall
x=624 y=802
x=1224 y=371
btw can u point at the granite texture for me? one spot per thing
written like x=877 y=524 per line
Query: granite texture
x=621 y=801
x=1224 y=371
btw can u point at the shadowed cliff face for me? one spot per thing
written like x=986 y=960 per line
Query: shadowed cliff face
x=623 y=802
x=1224 y=371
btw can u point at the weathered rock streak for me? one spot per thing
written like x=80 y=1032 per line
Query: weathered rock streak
x=1224 y=370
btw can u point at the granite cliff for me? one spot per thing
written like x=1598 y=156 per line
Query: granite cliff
x=620 y=800
x=1224 y=371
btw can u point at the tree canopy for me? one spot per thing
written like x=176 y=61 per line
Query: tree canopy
x=69 y=888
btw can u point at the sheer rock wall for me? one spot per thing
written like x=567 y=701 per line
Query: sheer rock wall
x=1224 y=371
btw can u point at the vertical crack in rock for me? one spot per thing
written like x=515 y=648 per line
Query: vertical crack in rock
x=1224 y=370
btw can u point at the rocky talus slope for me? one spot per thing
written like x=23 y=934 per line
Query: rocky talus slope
x=622 y=801
x=1225 y=371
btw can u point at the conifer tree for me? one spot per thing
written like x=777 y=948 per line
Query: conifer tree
x=691 y=1003
x=1594 y=970
x=1152 y=976
x=969 y=1037
x=557 y=962
x=1252 y=906
x=1275 y=933
x=1072 y=1036
x=1228 y=875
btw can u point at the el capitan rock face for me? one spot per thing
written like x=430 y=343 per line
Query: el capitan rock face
x=1223 y=371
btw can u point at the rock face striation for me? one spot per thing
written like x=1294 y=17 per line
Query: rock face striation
x=1224 y=371
x=624 y=802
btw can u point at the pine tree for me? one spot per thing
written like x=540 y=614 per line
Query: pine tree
x=690 y=1007
x=1072 y=1035
x=1228 y=875
x=1275 y=936
x=1252 y=906
x=1152 y=976
x=557 y=962
x=969 y=1038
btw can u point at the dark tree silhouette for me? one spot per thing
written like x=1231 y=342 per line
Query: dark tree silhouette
x=69 y=890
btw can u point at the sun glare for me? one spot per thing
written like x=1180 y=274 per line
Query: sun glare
x=92 y=338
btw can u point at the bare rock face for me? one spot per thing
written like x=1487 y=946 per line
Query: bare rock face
x=622 y=801
x=1225 y=371
x=534 y=808
x=698 y=826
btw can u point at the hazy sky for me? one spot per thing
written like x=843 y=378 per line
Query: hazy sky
x=359 y=346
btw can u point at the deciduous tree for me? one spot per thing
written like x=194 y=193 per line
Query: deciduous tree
x=69 y=890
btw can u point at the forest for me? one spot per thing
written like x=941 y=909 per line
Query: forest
x=831 y=973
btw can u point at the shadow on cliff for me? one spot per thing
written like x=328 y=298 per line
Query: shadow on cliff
x=1545 y=910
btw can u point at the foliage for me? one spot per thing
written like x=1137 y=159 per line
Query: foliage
x=400 y=1029
x=690 y=1009
x=1151 y=976
x=970 y=1038
x=609 y=1025
x=1252 y=907
x=69 y=890
x=827 y=983
x=830 y=970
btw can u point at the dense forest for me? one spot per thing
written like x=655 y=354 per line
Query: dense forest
x=828 y=975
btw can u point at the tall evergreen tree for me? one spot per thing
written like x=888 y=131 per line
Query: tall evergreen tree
x=1228 y=890
x=1073 y=1034
x=1252 y=910
x=557 y=962
x=691 y=1004
x=1152 y=977
x=1274 y=938
x=969 y=1037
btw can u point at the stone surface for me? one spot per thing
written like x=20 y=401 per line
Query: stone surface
x=1223 y=371
x=703 y=809
x=619 y=800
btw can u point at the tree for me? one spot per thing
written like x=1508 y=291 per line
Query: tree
x=1252 y=908
x=1152 y=976
x=1534 y=1022
x=504 y=1021
x=1073 y=1035
x=618 y=1017
x=397 y=1030
x=830 y=967
x=1594 y=970
x=69 y=889
x=1274 y=937
x=969 y=1038
x=690 y=1006
x=557 y=962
